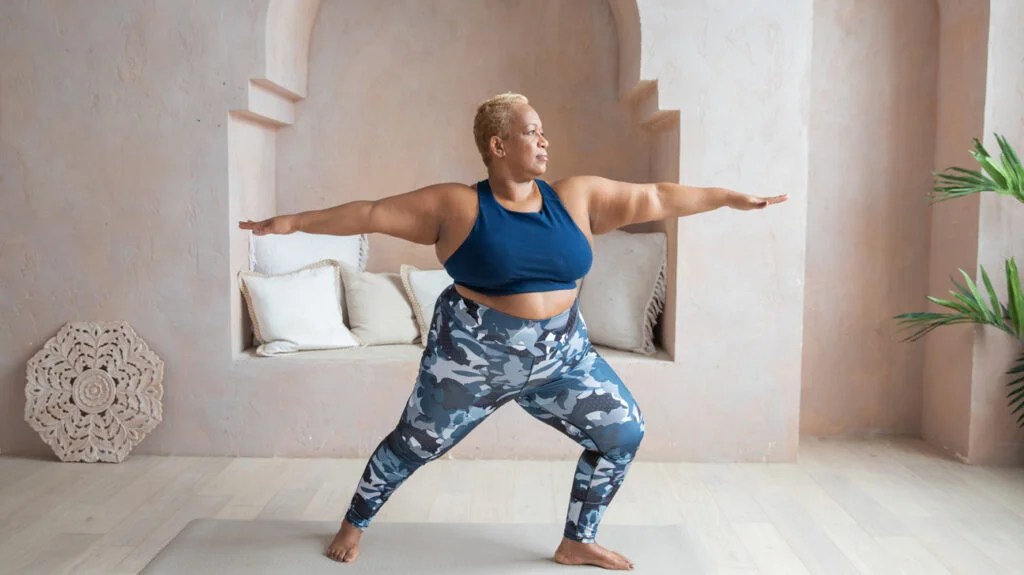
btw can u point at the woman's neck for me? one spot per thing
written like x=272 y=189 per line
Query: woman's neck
x=511 y=189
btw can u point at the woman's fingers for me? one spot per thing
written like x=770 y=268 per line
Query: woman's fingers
x=765 y=202
x=758 y=203
x=258 y=228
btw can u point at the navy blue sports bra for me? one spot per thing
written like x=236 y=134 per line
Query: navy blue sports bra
x=511 y=252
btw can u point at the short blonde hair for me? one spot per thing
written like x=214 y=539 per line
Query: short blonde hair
x=494 y=118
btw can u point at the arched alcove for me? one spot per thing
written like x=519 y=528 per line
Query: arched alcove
x=255 y=143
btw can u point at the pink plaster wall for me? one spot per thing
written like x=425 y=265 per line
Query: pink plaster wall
x=113 y=203
x=120 y=181
x=994 y=436
x=872 y=131
x=117 y=204
x=946 y=385
x=739 y=74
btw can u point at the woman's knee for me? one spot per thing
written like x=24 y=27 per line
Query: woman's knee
x=621 y=441
x=633 y=435
x=414 y=448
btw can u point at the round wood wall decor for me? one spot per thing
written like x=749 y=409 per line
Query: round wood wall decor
x=94 y=391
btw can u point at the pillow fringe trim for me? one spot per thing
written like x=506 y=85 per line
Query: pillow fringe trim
x=417 y=310
x=655 y=306
x=364 y=251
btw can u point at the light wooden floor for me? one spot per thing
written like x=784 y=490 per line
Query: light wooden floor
x=880 y=506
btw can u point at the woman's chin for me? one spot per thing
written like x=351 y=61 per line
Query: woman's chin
x=534 y=170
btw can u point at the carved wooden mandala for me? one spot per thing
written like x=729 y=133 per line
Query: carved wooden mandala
x=94 y=391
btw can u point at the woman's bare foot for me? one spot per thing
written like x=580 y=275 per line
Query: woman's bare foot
x=575 y=553
x=345 y=546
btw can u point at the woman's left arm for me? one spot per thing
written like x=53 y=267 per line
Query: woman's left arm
x=613 y=204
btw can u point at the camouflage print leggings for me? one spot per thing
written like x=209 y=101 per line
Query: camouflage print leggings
x=477 y=359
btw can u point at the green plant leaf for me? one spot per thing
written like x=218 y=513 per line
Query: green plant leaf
x=925 y=322
x=1013 y=168
x=994 y=298
x=957 y=182
x=1007 y=150
x=955 y=306
x=1016 y=393
x=984 y=159
x=1019 y=368
x=1016 y=297
x=972 y=298
x=971 y=177
x=1005 y=176
x=968 y=172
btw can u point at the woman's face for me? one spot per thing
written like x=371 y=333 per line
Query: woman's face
x=525 y=150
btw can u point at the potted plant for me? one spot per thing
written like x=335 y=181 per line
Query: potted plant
x=969 y=304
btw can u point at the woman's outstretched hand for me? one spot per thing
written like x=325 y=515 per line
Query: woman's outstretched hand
x=275 y=225
x=739 y=201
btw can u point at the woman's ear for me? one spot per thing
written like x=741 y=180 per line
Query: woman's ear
x=497 y=147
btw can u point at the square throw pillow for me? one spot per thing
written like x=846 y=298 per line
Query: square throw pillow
x=378 y=311
x=281 y=254
x=624 y=293
x=423 y=288
x=296 y=311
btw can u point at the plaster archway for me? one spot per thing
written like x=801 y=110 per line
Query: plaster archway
x=282 y=82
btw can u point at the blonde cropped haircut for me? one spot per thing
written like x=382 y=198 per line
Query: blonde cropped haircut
x=494 y=118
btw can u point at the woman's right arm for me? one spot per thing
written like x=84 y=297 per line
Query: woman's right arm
x=414 y=216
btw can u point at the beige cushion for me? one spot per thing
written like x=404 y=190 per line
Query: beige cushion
x=378 y=311
x=423 y=287
x=297 y=311
x=624 y=293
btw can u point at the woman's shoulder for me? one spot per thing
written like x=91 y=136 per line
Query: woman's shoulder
x=571 y=190
x=453 y=187
x=450 y=191
x=574 y=185
x=573 y=194
x=457 y=197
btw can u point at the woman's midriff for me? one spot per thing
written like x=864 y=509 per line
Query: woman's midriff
x=535 y=305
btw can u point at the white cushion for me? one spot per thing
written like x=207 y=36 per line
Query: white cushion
x=281 y=254
x=624 y=292
x=297 y=311
x=423 y=288
x=378 y=311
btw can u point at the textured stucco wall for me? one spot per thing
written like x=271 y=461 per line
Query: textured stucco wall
x=995 y=437
x=946 y=382
x=739 y=74
x=116 y=206
x=873 y=111
x=113 y=203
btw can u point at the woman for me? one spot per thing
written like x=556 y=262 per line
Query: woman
x=510 y=327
